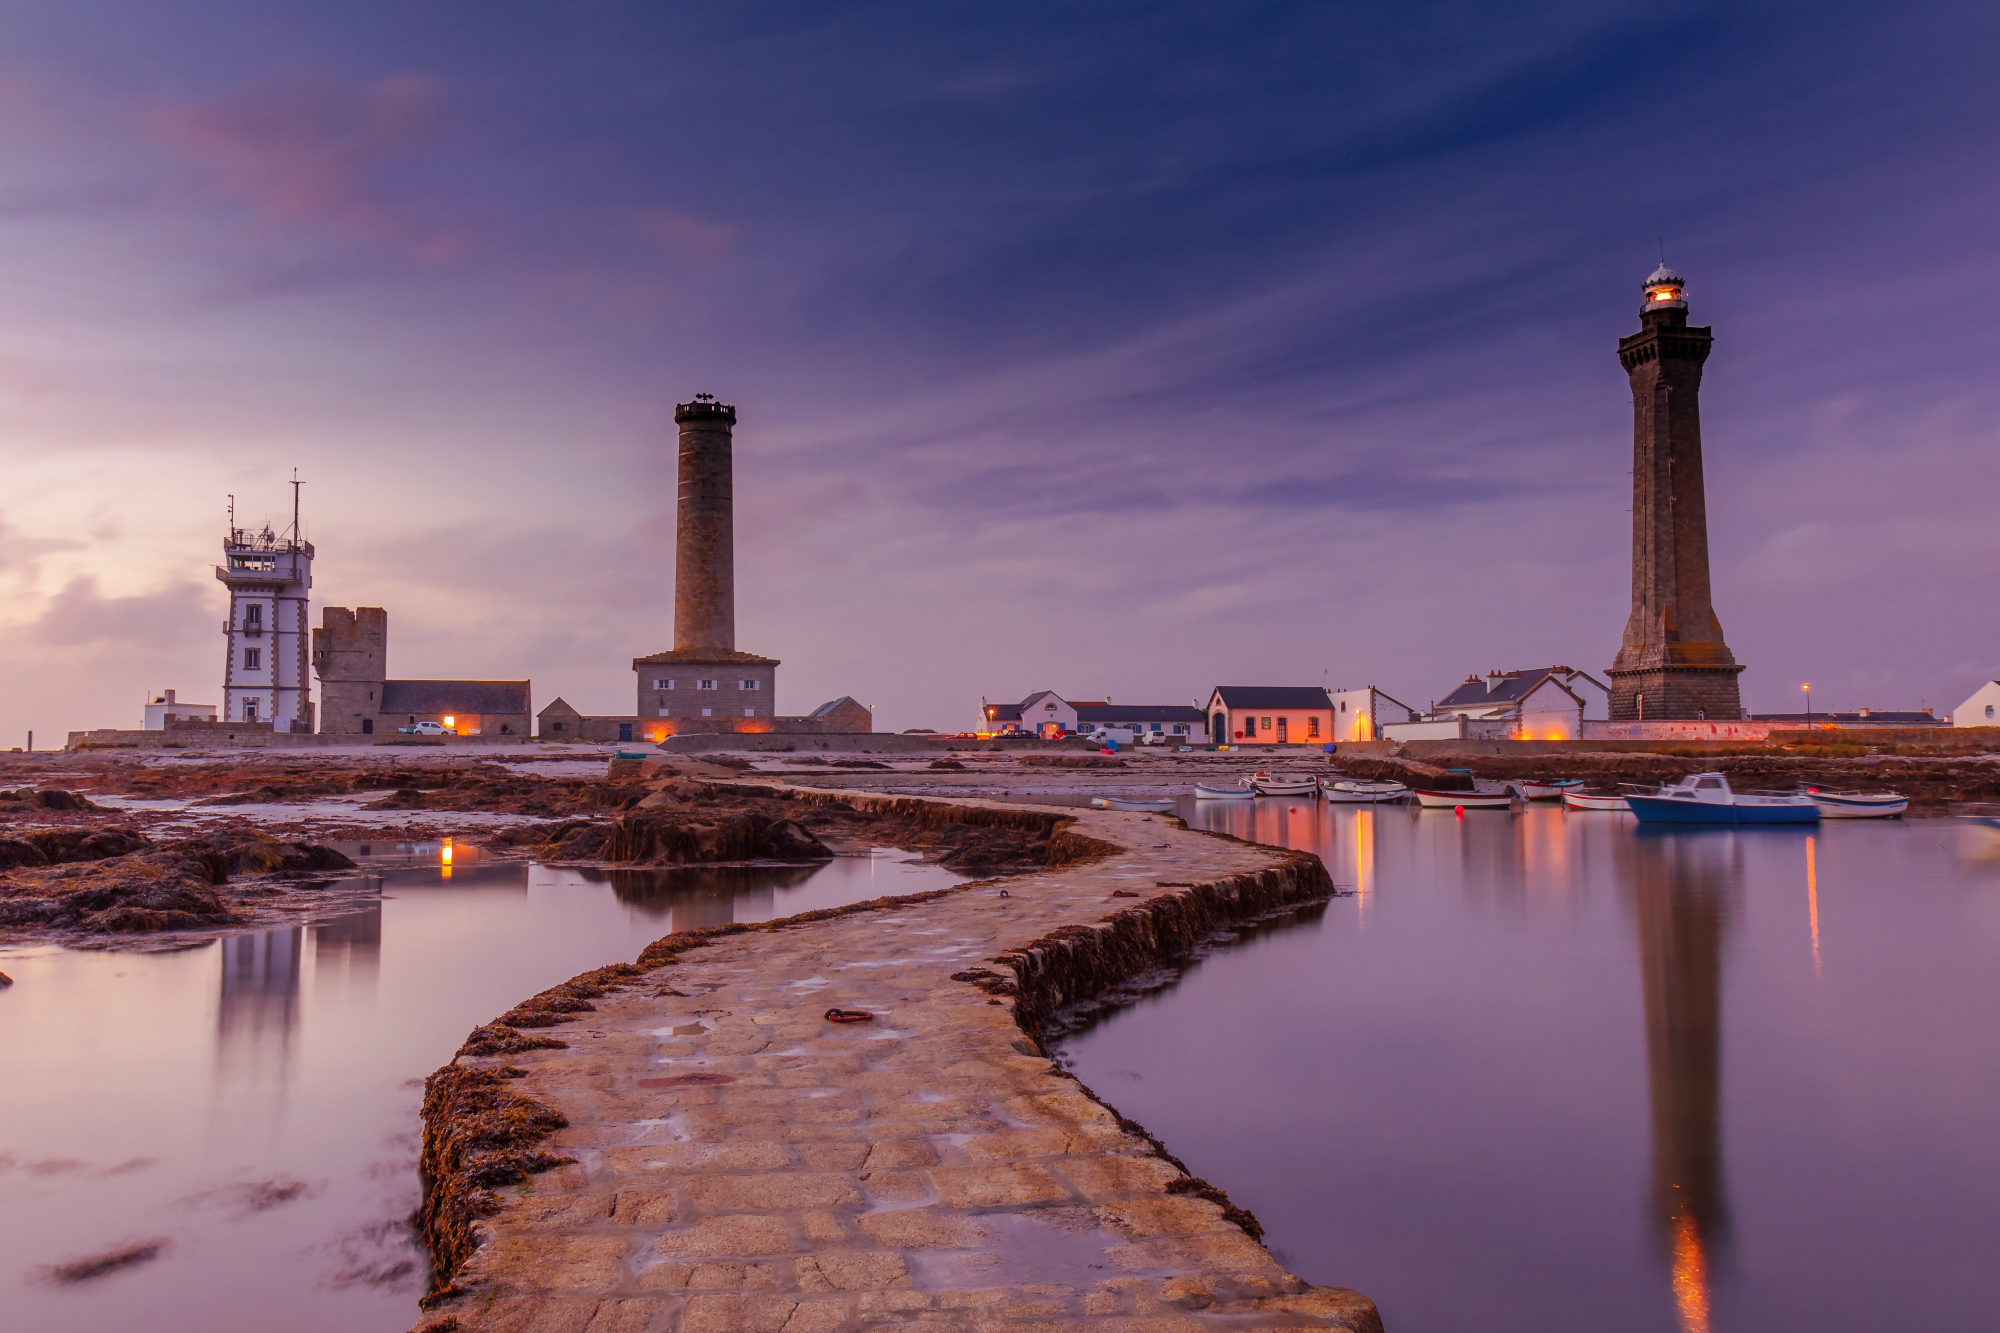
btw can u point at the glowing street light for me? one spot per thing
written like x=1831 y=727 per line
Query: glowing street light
x=1807 y=687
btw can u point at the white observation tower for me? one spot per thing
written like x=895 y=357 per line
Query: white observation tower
x=269 y=577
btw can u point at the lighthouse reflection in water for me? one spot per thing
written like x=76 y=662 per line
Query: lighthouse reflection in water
x=1538 y=1070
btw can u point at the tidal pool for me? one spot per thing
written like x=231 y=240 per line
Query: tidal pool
x=1549 y=1071
x=225 y=1137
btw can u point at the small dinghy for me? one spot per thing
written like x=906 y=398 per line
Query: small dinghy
x=1484 y=797
x=1240 y=792
x=1282 y=786
x=1706 y=798
x=1134 y=803
x=1858 y=804
x=1362 y=793
x=1581 y=800
x=1552 y=790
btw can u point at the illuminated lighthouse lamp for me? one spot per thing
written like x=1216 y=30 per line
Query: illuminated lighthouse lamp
x=1665 y=290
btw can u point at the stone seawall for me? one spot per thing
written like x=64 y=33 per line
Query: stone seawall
x=698 y=1143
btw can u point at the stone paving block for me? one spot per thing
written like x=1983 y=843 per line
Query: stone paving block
x=924 y=1229
x=577 y=1263
x=898 y=1186
x=774 y=1191
x=853 y=1270
x=718 y=1237
x=630 y=1315
x=888 y=1154
x=1108 y=1178
x=834 y=1156
x=1167 y=1215
x=997 y=1183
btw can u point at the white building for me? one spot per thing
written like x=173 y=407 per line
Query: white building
x=1545 y=704
x=1360 y=715
x=265 y=673
x=162 y=709
x=1981 y=710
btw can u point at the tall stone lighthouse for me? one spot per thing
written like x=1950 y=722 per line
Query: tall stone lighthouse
x=705 y=684
x=1673 y=663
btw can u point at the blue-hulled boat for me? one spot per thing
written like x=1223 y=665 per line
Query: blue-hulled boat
x=1706 y=798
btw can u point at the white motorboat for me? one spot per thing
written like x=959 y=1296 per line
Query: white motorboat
x=1240 y=792
x=1858 y=804
x=1483 y=796
x=1579 y=800
x=1267 y=786
x=1707 y=798
x=1553 y=790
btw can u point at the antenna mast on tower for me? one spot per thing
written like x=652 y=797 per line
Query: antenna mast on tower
x=296 y=483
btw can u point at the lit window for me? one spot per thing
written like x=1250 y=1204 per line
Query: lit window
x=1312 y=728
x=251 y=658
x=704 y=684
x=1266 y=726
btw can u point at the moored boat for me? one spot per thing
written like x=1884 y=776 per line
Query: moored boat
x=1552 y=790
x=1582 y=800
x=1706 y=798
x=1858 y=804
x=1240 y=792
x=1137 y=803
x=1281 y=786
x=1486 y=797
x=1348 y=792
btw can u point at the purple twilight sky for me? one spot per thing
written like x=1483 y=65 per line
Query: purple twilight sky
x=1115 y=349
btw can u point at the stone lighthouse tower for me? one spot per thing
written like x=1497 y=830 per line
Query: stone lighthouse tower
x=704 y=684
x=1673 y=663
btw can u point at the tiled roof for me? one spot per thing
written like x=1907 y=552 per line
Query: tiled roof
x=1139 y=713
x=1274 y=696
x=454 y=696
x=675 y=657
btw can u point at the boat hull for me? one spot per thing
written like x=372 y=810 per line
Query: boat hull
x=1469 y=800
x=1668 y=810
x=1545 y=791
x=1860 y=807
x=1338 y=797
x=1576 y=800
x=1153 y=806
x=1286 y=788
x=1202 y=793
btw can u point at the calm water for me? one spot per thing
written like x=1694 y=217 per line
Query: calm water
x=253 y=1101
x=1544 y=1071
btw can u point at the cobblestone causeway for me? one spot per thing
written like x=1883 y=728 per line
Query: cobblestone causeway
x=743 y=1165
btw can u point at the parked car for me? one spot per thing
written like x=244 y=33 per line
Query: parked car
x=428 y=729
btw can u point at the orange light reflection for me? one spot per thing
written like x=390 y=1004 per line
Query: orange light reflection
x=1812 y=899
x=1690 y=1277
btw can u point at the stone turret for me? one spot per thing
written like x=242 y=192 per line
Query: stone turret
x=350 y=654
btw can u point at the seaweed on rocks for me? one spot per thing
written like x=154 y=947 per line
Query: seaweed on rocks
x=478 y=1134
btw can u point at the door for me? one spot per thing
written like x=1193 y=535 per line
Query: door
x=368 y=726
x=1281 y=731
x=624 y=731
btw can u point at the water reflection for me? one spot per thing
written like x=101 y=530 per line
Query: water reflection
x=1683 y=889
x=259 y=1001
x=349 y=948
x=687 y=899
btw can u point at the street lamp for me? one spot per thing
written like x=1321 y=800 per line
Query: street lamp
x=1807 y=687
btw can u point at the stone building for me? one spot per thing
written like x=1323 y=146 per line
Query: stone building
x=1673 y=663
x=704 y=683
x=350 y=653
x=560 y=721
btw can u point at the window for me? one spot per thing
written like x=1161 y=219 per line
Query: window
x=1989 y=710
x=666 y=712
x=708 y=712
x=1343 y=705
x=663 y=685
x=253 y=616
x=1312 y=728
x=704 y=684
x=251 y=658
x=1156 y=727
x=250 y=710
x=749 y=712
x=1266 y=725
x=749 y=684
